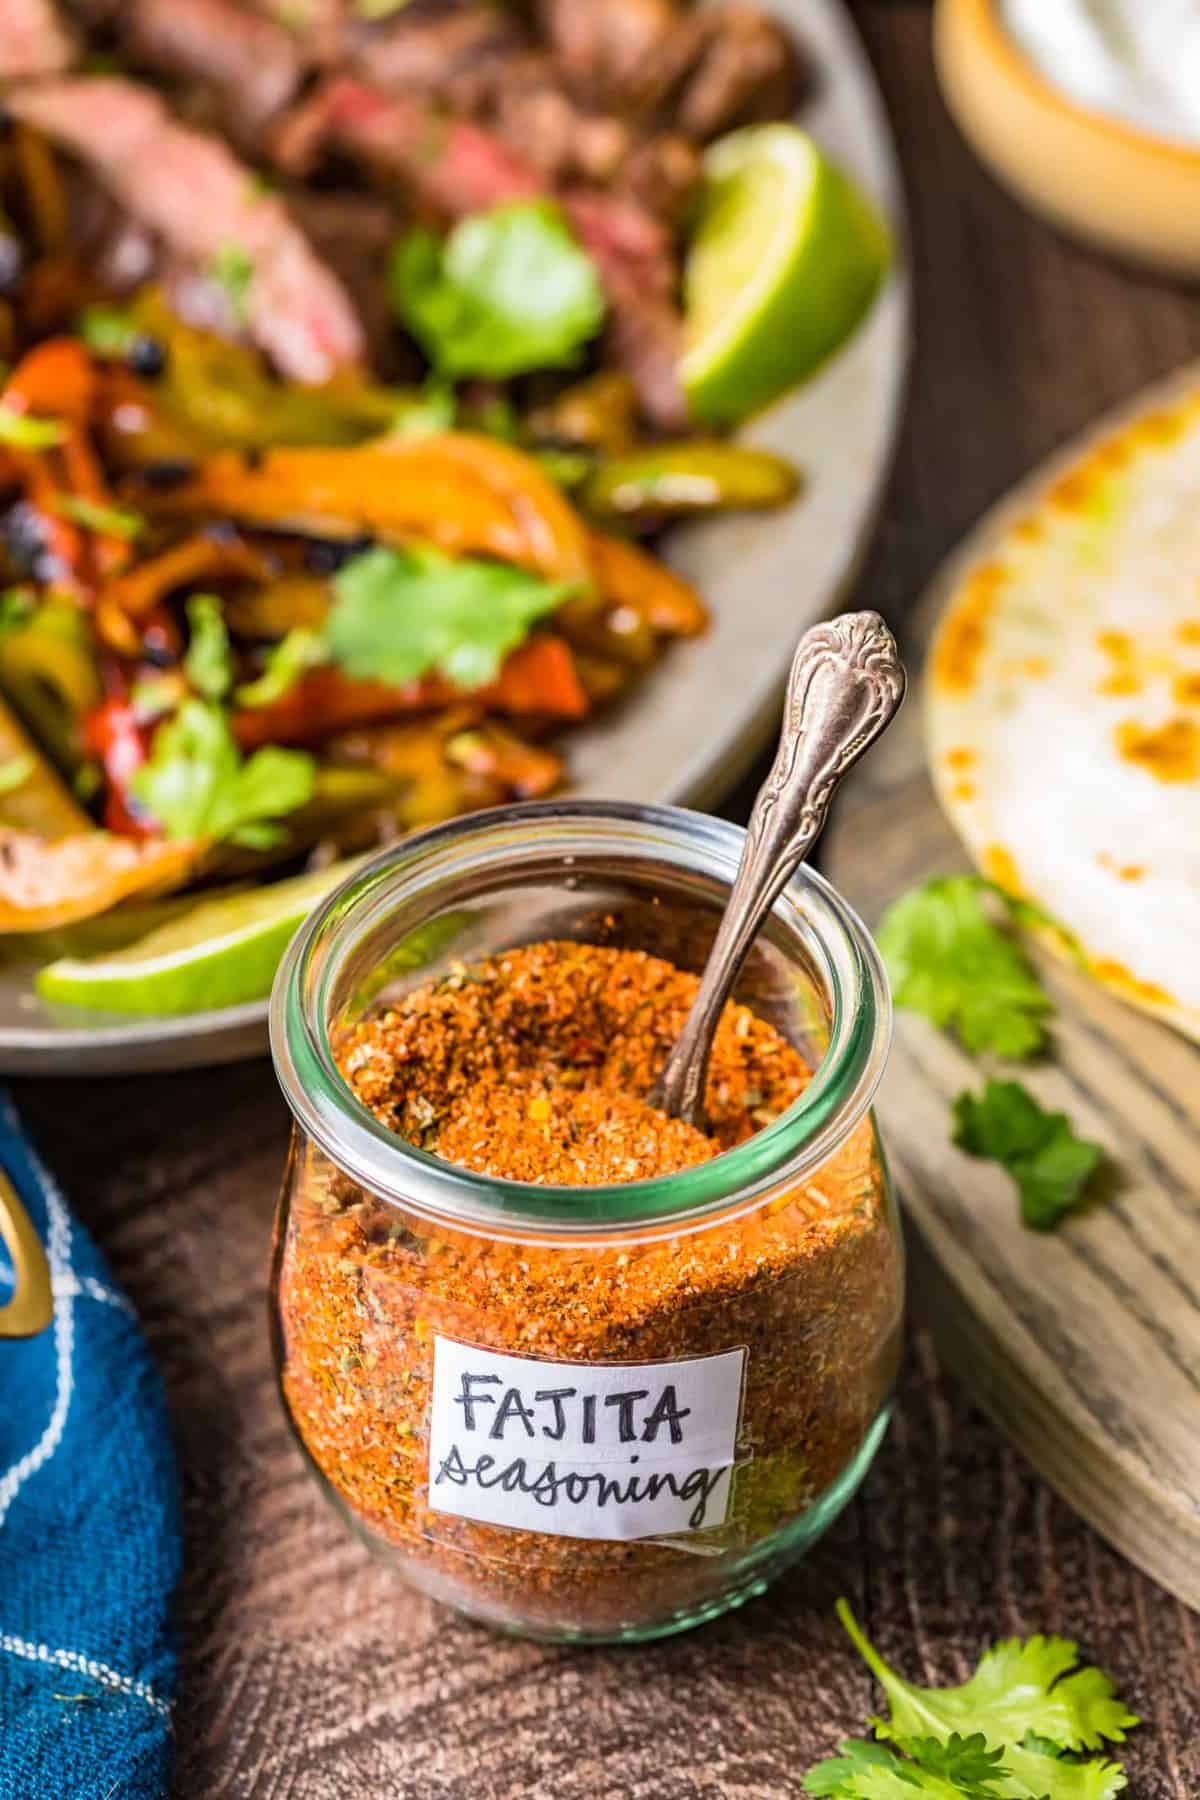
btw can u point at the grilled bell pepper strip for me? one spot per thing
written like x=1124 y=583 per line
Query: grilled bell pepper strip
x=628 y=576
x=290 y=600
x=57 y=380
x=48 y=671
x=454 y=763
x=603 y=677
x=120 y=743
x=668 y=481
x=40 y=800
x=463 y=493
x=213 y=394
x=599 y=413
x=527 y=771
x=538 y=678
x=62 y=560
x=195 y=560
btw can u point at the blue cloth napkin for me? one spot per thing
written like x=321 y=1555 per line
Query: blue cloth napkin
x=89 y=1528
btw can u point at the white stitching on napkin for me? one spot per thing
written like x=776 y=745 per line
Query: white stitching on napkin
x=85 y=1665
x=75 y=1285
x=58 y=1250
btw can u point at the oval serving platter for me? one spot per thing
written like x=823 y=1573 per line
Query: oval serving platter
x=687 y=736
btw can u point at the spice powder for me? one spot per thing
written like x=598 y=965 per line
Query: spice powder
x=535 y=1065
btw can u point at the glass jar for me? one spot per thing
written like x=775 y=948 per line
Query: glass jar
x=585 y=1413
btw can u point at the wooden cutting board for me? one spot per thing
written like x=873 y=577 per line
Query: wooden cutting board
x=1083 y=1344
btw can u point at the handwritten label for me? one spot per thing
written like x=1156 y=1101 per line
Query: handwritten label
x=617 y=1450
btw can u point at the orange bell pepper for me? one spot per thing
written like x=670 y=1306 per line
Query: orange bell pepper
x=629 y=576
x=195 y=559
x=538 y=678
x=57 y=379
x=465 y=494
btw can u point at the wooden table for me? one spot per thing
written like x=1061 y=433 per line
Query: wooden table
x=309 y=1673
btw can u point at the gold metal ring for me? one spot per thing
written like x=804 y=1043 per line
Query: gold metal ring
x=32 y=1305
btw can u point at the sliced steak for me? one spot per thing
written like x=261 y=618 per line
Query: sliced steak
x=33 y=40
x=744 y=68
x=477 y=62
x=632 y=251
x=704 y=70
x=254 y=63
x=455 y=53
x=203 y=203
x=452 y=167
x=661 y=174
x=352 y=232
x=320 y=28
x=449 y=166
x=609 y=51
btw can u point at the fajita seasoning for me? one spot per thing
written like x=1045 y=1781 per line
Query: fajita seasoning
x=588 y=1434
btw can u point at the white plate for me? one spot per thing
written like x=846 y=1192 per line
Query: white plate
x=695 y=726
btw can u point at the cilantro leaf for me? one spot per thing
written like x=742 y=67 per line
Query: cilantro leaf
x=302 y=649
x=24 y=432
x=507 y=291
x=399 y=614
x=1032 y=1775
x=1018 y=1687
x=197 y=785
x=1050 y=1165
x=831 y=1777
x=208 y=663
x=906 y=1781
x=966 y=1760
x=948 y=961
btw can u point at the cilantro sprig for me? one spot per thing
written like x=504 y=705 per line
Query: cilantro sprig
x=950 y=961
x=401 y=614
x=198 y=786
x=507 y=291
x=1016 y=1730
x=1050 y=1165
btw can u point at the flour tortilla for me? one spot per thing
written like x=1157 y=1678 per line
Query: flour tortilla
x=1063 y=704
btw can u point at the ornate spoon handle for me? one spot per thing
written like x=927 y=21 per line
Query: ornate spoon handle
x=845 y=686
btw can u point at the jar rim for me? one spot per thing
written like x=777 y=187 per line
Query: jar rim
x=791 y=1147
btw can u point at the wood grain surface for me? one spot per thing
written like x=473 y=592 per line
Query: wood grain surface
x=308 y=1672
x=1084 y=1343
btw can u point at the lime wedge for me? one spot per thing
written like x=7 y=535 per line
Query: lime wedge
x=786 y=258
x=220 y=953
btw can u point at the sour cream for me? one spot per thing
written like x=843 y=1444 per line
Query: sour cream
x=1138 y=61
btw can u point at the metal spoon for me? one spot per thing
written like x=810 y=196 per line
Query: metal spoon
x=845 y=686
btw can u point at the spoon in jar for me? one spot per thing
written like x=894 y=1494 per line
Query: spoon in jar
x=845 y=686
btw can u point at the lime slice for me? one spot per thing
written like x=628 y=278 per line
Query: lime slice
x=786 y=258
x=220 y=953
